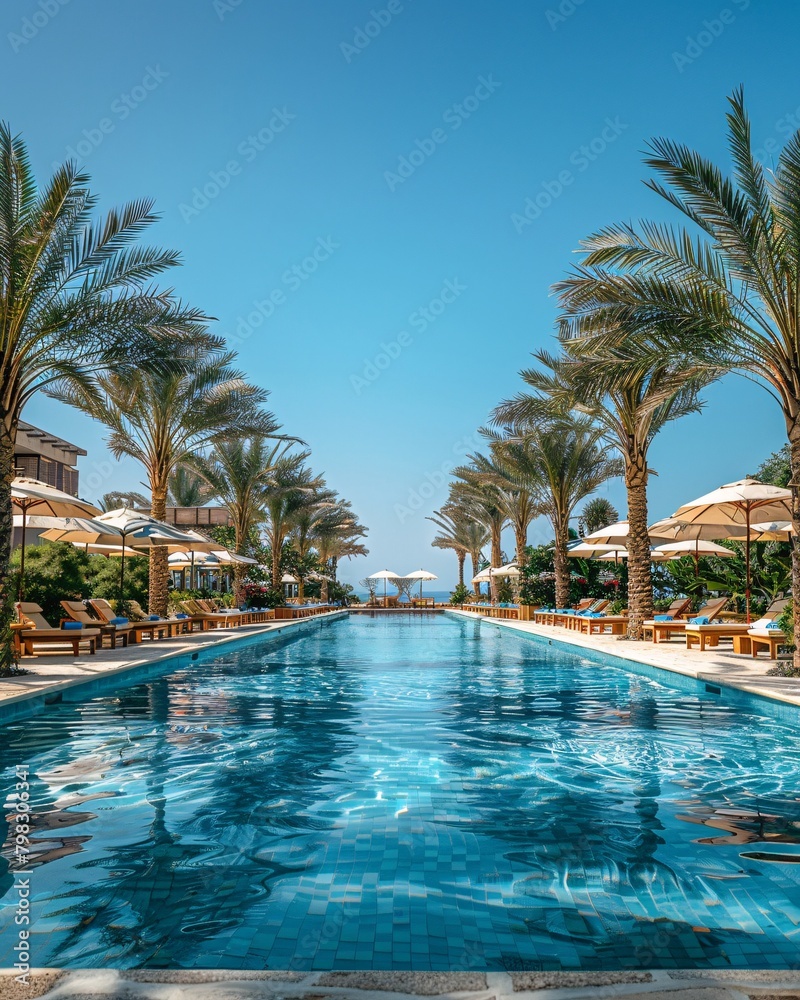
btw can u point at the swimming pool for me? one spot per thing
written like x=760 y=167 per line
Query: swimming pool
x=424 y=793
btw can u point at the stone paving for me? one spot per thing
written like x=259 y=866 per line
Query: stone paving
x=276 y=985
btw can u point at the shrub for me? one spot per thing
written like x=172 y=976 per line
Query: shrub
x=104 y=578
x=460 y=594
x=258 y=596
x=53 y=572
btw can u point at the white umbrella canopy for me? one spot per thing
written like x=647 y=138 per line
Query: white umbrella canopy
x=483 y=577
x=384 y=574
x=582 y=550
x=694 y=548
x=288 y=578
x=509 y=570
x=421 y=574
x=33 y=495
x=741 y=503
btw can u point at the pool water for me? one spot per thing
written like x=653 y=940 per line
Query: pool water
x=423 y=793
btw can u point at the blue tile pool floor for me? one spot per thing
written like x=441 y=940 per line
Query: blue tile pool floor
x=411 y=793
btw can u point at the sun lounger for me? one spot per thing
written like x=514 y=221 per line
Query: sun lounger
x=41 y=632
x=666 y=629
x=209 y=619
x=163 y=628
x=709 y=635
x=78 y=613
x=600 y=625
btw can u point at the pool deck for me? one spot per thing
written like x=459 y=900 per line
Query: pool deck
x=53 y=673
x=183 y=985
x=720 y=665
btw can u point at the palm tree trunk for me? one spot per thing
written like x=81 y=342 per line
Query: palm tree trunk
x=276 y=561
x=640 y=581
x=462 y=555
x=521 y=541
x=794 y=454
x=8 y=436
x=497 y=559
x=158 y=596
x=476 y=558
x=561 y=564
x=301 y=587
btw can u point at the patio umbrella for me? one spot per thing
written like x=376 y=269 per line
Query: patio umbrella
x=385 y=574
x=738 y=504
x=695 y=549
x=421 y=574
x=47 y=501
x=128 y=528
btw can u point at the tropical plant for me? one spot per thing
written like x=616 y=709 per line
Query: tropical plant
x=337 y=535
x=721 y=294
x=162 y=416
x=598 y=513
x=631 y=402
x=53 y=572
x=76 y=297
x=565 y=460
x=460 y=594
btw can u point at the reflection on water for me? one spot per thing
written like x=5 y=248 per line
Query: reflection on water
x=407 y=794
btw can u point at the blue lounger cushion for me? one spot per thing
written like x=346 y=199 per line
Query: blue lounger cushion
x=181 y=615
x=72 y=626
x=774 y=625
x=700 y=620
x=663 y=618
x=118 y=621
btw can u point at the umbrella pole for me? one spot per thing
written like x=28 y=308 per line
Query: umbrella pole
x=747 y=561
x=191 y=573
x=122 y=572
x=21 y=591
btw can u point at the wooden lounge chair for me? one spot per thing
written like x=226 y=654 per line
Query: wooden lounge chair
x=662 y=629
x=759 y=636
x=41 y=631
x=573 y=621
x=78 y=613
x=709 y=635
x=161 y=629
x=208 y=619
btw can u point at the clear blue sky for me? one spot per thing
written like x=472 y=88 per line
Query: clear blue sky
x=297 y=115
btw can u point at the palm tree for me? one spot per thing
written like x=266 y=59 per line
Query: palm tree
x=163 y=416
x=563 y=461
x=76 y=297
x=598 y=513
x=721 y=294
x=238 y=472
x=338 y=536
x=459 y=532
x=630 y=402
x=511 y=479
x=187 y=489
x=302 y=535
x=290 y=486
x=479 y=496
x=117 y=499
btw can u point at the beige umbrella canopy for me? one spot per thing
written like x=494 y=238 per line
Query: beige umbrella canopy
x=695 y=549
x=128 y=528
x=384 y=574
x=46 y=501
x=738 y=504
